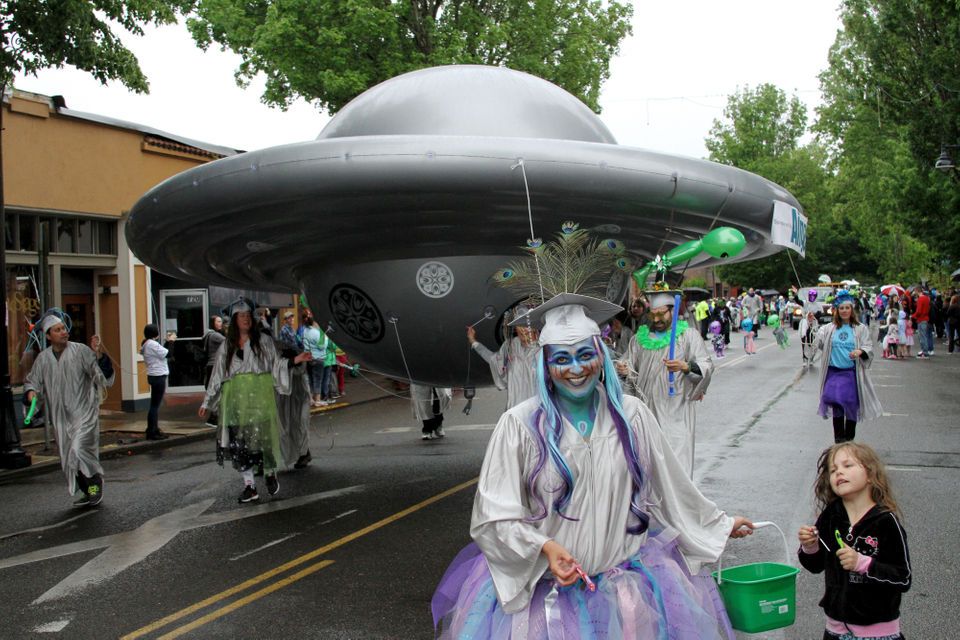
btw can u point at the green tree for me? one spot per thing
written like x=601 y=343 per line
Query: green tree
x=891 y=98
x=35 y=35
x=761 y=133
x=329 y=51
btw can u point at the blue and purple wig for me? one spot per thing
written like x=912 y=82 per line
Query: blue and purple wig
x=546 y=427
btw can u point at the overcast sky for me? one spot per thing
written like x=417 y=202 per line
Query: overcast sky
x=668 y=84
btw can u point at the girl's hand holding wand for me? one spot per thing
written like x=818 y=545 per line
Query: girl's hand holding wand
x=848 y=557
x=808 y=536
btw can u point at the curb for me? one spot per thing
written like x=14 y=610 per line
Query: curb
x=145 y=446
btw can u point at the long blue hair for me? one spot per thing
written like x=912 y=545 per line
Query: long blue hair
x=546 y=426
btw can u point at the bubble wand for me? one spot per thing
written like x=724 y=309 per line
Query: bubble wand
x=33 y=408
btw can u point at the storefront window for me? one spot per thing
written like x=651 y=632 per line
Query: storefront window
x=27 y=230
x=106 y=245
x=66 y=236
x=23 y=310
x=184 y=313
x=84 y=236
x=10 y=232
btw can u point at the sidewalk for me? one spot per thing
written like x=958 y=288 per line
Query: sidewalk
x=122 y=433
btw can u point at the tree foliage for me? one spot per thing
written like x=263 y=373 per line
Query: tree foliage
x=891 y=98
x=761 y=133
x=329 y=51
x=38 y=34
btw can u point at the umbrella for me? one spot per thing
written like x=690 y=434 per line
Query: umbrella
x=850 y=283
x=892 y=290
x=955 y=275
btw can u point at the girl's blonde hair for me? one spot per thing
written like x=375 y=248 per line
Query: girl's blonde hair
x=880 y=489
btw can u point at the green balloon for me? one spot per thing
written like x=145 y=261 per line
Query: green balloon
x=724 y=242
x=773 y=320
x=685 y=251
x=640 y=275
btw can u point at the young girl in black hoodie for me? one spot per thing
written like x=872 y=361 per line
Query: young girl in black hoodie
x=859 y=543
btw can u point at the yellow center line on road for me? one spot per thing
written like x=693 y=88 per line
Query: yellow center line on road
x=236 y=604
x=243 y=586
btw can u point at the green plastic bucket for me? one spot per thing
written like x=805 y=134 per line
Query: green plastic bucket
x=760 y=596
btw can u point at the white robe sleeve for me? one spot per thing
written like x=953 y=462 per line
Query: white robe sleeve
x=211 y=401
x=497 y=361
x=279 y=366
x=696 y=384
x=702 y=528
x=511 y=546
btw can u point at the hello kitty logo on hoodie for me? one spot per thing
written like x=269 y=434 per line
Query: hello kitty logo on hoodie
x=866 y=545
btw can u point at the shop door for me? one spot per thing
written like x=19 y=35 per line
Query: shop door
x=80 y=310
x=184 y=312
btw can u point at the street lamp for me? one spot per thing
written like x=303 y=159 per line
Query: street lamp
x=945 y=162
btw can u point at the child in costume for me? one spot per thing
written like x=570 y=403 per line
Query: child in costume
x=782 y=341
x=749 y=347
x=808 y=333
x=859 y=544
x=717 y=339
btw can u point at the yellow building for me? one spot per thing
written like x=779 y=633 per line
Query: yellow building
x=69 y=180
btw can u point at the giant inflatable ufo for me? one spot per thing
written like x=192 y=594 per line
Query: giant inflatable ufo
x=393 y=220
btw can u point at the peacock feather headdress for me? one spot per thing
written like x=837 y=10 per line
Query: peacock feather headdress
x=572 y=263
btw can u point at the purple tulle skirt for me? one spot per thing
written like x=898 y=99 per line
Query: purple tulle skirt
x=651 y=595
x=840 y=393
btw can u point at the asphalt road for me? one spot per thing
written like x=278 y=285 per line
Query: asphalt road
x=353 y=546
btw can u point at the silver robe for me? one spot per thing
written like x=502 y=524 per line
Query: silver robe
x=869 y=402
x=648 y=380
x=269 y=361
x=294 y=413
x=71 y=388
x=421 y=400
x=601 y=500
x=513 y=367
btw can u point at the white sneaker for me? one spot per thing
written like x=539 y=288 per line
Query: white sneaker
x=439 y=432
x=428 y=436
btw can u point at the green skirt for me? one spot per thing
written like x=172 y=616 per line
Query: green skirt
x=248 y=408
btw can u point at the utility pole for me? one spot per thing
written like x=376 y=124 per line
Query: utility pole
x=12 y=455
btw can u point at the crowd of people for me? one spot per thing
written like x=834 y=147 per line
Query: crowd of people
x=600 y=401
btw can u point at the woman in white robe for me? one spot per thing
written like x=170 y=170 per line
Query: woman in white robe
x=512 y=365
x=554 y=515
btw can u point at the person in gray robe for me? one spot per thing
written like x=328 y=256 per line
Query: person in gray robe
x=750 y=308
x=512 y=365
x=294 y=408
x=645 y=368
x=72 y=379
x=428 y=404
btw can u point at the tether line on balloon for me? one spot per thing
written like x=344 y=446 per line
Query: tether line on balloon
x=795 y=274
x=403 y=356
x=533 y=235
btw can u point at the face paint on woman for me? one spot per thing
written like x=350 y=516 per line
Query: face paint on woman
x=574 y=369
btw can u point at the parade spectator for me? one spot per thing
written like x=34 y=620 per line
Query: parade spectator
x=247 y=373
x=288 y=336
x=70 y=378
x=155 y=359
x=846 y=392
x=858 y=544
x=342 y=365
x=532 y=515
x=921 y=315
x=937 y=311
x=210 y=344
x=702 y=315
x=331 y=389
x=905 y=327
x=314 y=342
x=952 y=316
x=646 y=367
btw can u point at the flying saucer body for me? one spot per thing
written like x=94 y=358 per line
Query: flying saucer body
x=394 y=219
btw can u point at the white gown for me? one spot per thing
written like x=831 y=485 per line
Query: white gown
x=71 y=388
x=600 y=500
x=649 y=381
x=513 y=368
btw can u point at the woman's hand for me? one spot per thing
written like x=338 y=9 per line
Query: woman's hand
x=202 y=412
x=562 y=564
x=471 y=335
x=741 y=527
x=808 y=536
x=306 y=356
x=856 y=353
